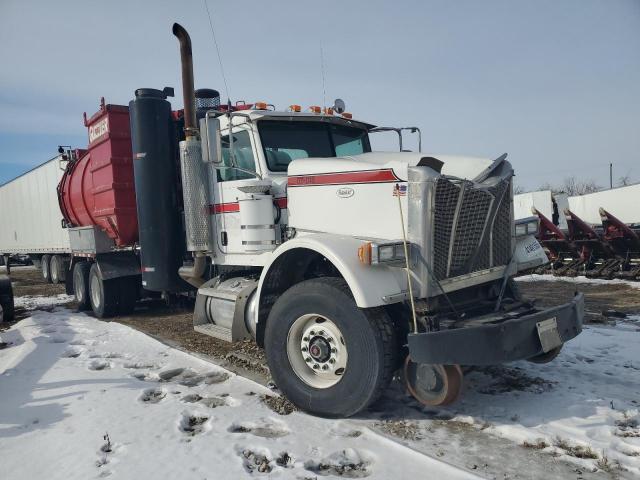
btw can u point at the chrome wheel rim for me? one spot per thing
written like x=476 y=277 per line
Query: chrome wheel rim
x=95 y=291
x=317 y=351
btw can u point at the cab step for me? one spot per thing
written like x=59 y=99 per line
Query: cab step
x=215 y=331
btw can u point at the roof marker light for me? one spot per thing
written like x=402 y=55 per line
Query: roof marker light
x=295 y=108
x=315 y=109
x=261 y=105
x=347 y=115
x=328 y=111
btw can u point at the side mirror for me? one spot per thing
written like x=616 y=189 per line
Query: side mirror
x=214 y=146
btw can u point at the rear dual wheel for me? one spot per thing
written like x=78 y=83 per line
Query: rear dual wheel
x=81 y=285
x=58 y=266
x=46 y=268
x=111 y=297
x=102 y=294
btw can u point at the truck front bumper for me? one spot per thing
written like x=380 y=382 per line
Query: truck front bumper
x=500 y=341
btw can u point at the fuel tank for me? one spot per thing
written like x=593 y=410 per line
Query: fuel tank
x=97 y=187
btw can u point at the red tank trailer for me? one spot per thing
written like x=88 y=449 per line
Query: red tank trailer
x=97 y=187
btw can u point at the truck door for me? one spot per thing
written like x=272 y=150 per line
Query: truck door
x=226 y=209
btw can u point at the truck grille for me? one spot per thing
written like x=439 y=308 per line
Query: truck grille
x=472 y=227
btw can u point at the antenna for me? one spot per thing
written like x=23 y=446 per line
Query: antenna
x=324 y=93
x=215 y=42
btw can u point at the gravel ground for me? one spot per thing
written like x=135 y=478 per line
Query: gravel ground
x=173 y=325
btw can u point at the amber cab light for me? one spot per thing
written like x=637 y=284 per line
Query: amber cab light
x=347 y=115
x=315 y=109
x=295 y=108
x=261 y=106
x=364 y=253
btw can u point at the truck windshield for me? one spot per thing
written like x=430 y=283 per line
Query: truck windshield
x=284 y=141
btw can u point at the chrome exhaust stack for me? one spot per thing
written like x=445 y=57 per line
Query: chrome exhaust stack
x=193 y=171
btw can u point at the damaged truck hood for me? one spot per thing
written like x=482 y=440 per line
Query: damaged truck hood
x=451 y=165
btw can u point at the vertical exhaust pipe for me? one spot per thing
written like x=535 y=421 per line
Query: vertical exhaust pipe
x=186 y=61
x=193 y=172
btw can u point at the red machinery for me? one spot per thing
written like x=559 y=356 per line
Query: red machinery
x=97 y=187
x=610 y=252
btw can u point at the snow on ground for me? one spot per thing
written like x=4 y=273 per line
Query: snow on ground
x=580 y=279
x=81 y=399
x=29 y=302
x=584 y=407
x=586 y=403
x=68 y=380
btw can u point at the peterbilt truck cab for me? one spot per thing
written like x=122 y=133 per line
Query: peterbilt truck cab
x=347 y=265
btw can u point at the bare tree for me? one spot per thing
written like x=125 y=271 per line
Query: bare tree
x=625 y=180
x=518 y=189
x=572 y=186
x=547 y=186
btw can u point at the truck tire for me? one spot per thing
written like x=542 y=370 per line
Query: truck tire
x=81 y=285
x=103 y=294
x=58 y=269
x=6 y=300
x=328 y=356
x=129 y=292
x=46 y=268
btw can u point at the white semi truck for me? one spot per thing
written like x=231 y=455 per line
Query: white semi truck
x=346 y=264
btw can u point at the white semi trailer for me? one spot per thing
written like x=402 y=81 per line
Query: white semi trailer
x=31 y=222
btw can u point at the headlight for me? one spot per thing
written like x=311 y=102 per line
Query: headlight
x=386 y=253
x=527 y=226
x=371 y=253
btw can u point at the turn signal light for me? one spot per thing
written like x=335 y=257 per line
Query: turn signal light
x=315 y=109
x=347 y=115
x=295 y=108
x=364 y=253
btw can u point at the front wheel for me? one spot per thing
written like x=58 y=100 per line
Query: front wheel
x=328 y=356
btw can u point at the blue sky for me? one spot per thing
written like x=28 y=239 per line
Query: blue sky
x=556 y=84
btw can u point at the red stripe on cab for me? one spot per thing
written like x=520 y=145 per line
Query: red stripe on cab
x=233 y=207
x=339 y=178
x=224 y=207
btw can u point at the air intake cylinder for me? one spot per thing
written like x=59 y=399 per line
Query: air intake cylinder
x=155 y=166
